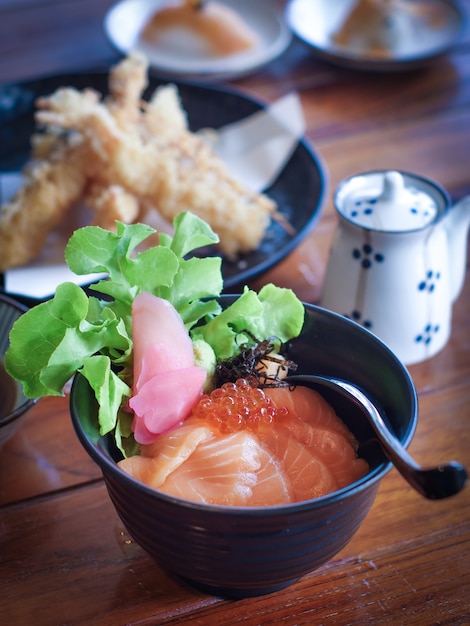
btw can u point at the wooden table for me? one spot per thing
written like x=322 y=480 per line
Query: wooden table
x=64 y=555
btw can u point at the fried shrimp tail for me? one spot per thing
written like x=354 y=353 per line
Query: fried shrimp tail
x=51 y=187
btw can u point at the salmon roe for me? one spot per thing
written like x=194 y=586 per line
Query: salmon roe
x=239 y=406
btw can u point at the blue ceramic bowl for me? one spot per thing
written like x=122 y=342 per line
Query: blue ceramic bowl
x=13 y=403
x=242 y=552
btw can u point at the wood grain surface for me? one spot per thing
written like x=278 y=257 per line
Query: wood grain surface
x=65 y=557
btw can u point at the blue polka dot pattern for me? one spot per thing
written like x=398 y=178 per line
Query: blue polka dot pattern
x=364 y=207
x=427 y=335
x=367 y=256
x=429 y=282
x=419 y=205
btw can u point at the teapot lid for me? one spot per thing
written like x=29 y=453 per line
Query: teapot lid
x=390 y=201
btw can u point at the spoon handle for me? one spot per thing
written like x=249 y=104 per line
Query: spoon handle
x=434 y=483
x=397 y=453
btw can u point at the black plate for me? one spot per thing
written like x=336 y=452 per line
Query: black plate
x=299 y=190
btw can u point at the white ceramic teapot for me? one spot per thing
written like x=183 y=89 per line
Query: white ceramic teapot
x=398 y=260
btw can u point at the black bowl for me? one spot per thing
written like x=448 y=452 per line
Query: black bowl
x=12 y=416
x=245 y=551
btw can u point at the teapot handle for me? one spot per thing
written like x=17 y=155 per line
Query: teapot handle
x=457 y=224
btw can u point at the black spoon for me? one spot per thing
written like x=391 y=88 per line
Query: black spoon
x=433 y=483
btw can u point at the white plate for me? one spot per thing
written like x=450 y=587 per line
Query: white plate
x=315 y=21
x=124 y=22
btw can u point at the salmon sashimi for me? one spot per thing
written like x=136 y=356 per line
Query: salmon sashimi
x=158 y=459
x=195 y=463
x=272 y=485
x=308 y=474
x=333 y=449
x=310 y=407
x=313 y=422
x=221 y=470
x=303 y=451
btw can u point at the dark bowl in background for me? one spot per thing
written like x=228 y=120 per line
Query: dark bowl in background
x=244 y=551
x=10 y=311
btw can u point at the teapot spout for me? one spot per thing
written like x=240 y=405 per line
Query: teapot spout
x=457 y=224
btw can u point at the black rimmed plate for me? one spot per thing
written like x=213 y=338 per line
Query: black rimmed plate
x=299 y=190
x=419 y=38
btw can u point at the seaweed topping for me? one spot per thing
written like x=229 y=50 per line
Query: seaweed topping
x=261 y=362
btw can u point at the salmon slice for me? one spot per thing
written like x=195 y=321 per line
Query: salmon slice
x=172 y=450
x=313 y=423
x=158 y=459
x=310 y=407
x=139 y=467
x=272 y=485
x=196 y=463
x=293 y=460
x=334 y=449
x=221 y=470
x=309 y=476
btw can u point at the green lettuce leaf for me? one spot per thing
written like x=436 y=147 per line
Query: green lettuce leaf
x=49 y=343
x=274 y=311
x=110 y=390
x=74 y=332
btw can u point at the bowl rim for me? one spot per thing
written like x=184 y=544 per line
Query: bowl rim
x=371 y=478
x=29 y=402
